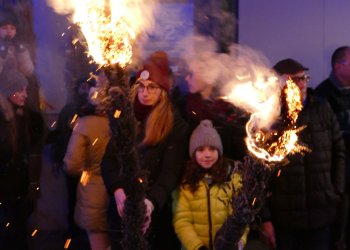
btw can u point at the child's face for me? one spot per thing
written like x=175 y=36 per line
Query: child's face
x=19 y=97
x=206 y=156
x=7 y=31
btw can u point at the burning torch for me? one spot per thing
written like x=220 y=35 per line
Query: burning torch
x=109 y=29
x=268 y=146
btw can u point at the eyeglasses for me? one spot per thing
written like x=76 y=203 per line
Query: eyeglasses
x=151 y=88
x=345 y=63
x=304 y=78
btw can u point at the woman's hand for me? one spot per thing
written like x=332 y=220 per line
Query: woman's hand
x=268 y=234
x=148 y=215
x=120 y=197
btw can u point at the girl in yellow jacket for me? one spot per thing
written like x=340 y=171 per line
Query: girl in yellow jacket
x=203 y=201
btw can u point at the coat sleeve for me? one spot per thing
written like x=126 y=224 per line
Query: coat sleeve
x=76 y=153
x=25 y=63
x=110 y=168
x=183 y=221
x=37 y=132
x=338 y=153
x=172 y=165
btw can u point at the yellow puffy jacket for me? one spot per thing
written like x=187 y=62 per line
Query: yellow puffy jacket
x=198 y=216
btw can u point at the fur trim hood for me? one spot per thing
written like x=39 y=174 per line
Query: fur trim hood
x=6 y=108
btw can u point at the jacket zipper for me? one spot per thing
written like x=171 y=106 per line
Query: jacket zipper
x=209 y=219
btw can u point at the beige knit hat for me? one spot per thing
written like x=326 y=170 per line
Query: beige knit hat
x=205 y=135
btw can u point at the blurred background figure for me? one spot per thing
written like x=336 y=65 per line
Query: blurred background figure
x=204 y=102
x=21 y=141
x=85 y=150
x=336 y=89
x=15 y=53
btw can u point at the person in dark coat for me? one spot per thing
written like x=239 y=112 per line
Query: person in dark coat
x=203 y=102
x=21 y=142
x=161 y=145
x=336 y=89
x=15 y=53
x=306 y=193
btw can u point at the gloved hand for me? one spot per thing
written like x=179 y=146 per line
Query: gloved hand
x=120 y=197
x=267 y=234
x=148 y=215
x=20 y=46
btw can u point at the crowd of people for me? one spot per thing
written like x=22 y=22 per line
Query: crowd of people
x=177 y=160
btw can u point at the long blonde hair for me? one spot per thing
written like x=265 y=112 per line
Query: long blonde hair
x=161 y=119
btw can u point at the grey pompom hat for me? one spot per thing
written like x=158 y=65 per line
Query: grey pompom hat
x=205 y=135
x=12 y=81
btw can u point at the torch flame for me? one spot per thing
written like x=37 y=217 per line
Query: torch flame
x=262 y=98
x=293 y=100
x=287 y=142
x=109 y=36
x=109 y=27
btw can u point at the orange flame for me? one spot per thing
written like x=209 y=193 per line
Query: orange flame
x=293 y=100
x=109 y=27
x=109 y=36
x=287 y=142
x=262 y=98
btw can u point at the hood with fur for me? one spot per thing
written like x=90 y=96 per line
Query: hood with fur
x=6 y=109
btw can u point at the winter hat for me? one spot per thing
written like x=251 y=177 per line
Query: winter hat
x=8 y=16
x=288 y=66
x=12 y=81
x=205 y=135
x=156 y=69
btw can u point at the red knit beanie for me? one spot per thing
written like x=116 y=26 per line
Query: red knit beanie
x=156 y=69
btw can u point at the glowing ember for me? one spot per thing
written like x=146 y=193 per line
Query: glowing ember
x=66 y=245
x=34 y=232
x=75 y=117
x=53 y=124
x=94 y=142
x=117 y=113
x=85 y=176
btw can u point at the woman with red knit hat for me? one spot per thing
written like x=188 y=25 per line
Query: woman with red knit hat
x=161 y=142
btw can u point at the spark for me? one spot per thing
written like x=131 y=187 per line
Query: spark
x=85 y=176
x=117 y=113
x=53 y=124
x=254 y=200
x=66 y=245
x=74 y=118
x=34 y=232
x=94 y=141
x=279 y=173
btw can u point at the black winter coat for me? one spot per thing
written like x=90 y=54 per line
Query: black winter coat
x=339 y=99
x=20 y=160
x=227 y=119
x=308 y=190
x=164 y=162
